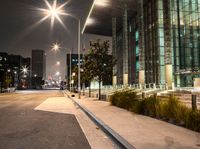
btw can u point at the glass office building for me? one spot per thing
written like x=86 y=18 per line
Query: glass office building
x=185 y=16
x=163 y=41
x=170 y=30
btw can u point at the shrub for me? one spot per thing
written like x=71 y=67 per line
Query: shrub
x=184 y=114
x=151 y=106
x=172 y=109
x=193 y=120
x=126 y=99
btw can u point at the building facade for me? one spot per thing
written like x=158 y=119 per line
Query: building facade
x=71 y=63
x=38 y=70
x=163 y=44
x=155 y=42
x=11 y=71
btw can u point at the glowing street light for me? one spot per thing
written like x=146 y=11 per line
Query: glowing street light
x=55 y=47
x=54 y=12
x=24 y=70
x=58 y=63
x=57 y=73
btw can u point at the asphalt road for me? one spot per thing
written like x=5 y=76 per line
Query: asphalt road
x=22 y=127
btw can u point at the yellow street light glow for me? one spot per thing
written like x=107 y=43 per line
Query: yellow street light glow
x=55 y=47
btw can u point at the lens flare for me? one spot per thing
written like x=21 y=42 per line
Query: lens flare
x=54 y=12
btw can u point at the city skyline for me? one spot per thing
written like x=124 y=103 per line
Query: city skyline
x=19 y=37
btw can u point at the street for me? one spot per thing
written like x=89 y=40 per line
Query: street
x=22 y=125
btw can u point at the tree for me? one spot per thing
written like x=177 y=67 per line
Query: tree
x=86 y=75
x=88 y=70
x=98 y=62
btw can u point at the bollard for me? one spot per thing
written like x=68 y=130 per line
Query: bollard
x=194 y=102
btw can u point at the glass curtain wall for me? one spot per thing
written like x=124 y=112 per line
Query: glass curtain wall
x=133 y=52
x=186 y=40
x=154 y=42
x=119 y=57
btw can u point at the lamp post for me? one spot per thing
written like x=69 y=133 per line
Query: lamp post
x=54 y=12
x=79 y=74
x=70 y=71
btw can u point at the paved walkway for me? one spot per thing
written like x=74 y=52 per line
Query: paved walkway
x=141 y=131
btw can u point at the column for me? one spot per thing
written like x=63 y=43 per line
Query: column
x=141 y=44
x=167 y=44
x=125 y=45
x=114 y=46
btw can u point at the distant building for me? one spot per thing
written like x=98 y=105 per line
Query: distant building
x=38 y=63
x=4 y=66
x=107 y=80
x=11 y=71
x=74 y=62
x=38 y=72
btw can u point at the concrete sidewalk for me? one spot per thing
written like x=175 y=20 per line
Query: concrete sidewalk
x=140 y=131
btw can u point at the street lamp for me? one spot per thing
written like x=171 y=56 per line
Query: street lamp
x=57 y=73
x=58 y=63
x=55 y=47
x=24 y=70
x=54 y=12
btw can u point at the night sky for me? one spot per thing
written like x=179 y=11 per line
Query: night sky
x=19 y=35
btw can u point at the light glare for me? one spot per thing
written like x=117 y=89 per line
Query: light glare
x=57 y=63
x=24 y=70
x=102 y=3
x=55 y=47
x=57 y=73
x=90 y=21
x=54 y=12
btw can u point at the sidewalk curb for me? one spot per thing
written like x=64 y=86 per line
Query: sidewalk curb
x=124 y=144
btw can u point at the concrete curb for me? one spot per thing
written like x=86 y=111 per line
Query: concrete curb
x=120 y=141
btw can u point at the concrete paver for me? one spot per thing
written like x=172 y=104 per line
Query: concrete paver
x=141 y=131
